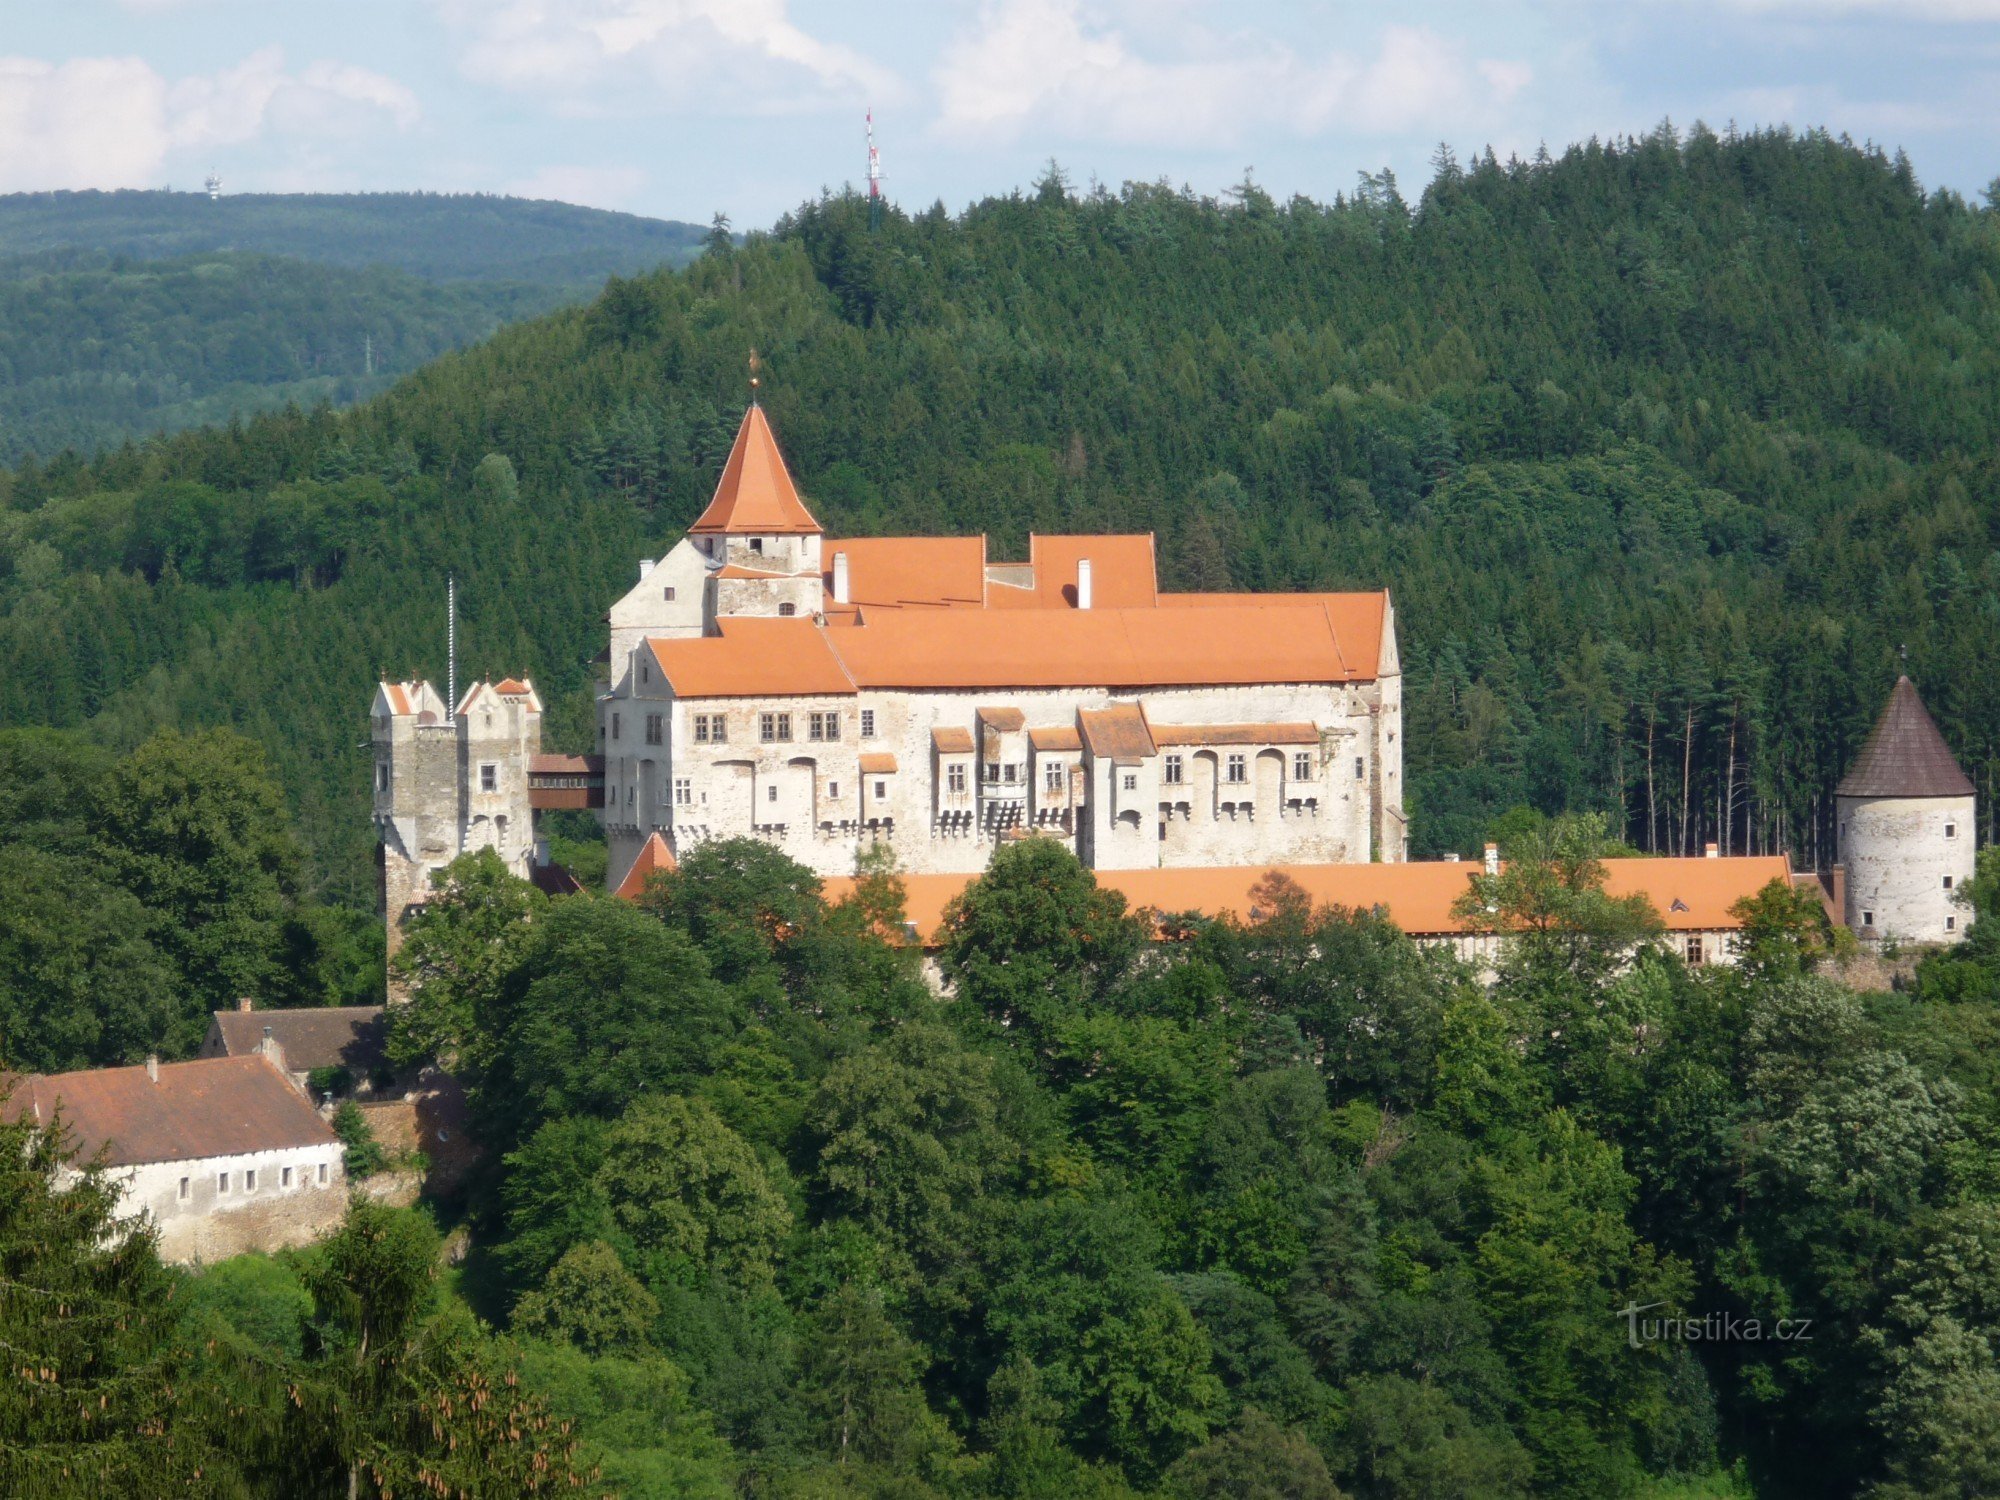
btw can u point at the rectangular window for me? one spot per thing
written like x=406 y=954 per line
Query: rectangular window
x=990 y=770
x=881 y=790
x=823 y=725
x=833 y=791
x=1947 y=882
x=683 y=792
x=1052 y=776
x=382 y=778
x=868 y=723
x=701 y=729
x=489 y=778
x=655 y=730
x=1360 y=768
x=1010 y=772
x=1868 y=919
x=250 y=1181
x=757 y=545
x=1951 y=924
x=285 y=1178
x=184 y=1189
x=322 y=1174
x=954 y=779
x=774 y=729
x=614 y=726
x=1130 y=781
x=222 y=1182
x=788 y=609
x=1238 y=768
x=668 y=593
x=711 y=729
x=1695 y=954
x=1176 y=770
x=1302 y=765
x=1950 y=830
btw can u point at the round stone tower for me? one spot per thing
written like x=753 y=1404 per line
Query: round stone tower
x=1906 y=829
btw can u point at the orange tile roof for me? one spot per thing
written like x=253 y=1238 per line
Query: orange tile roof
x=1122 y=573
x=755 y=495
x=215 y=1106
x=735 y=570
x=399 y=700
x=653 y=855
x=1275 y=641
x=753 y=658
x=893 y=572
x=1117 y=733
x=1055 y=739
x=877 y=763
x=1006 y=720
x=1417 y=897
x=1356 y=618
x=1235 y=734
x=952 y=741
x=510 y=687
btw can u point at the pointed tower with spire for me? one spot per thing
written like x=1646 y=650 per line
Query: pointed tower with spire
x=1906 y=814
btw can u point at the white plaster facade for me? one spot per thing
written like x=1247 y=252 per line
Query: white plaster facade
x=210 y=1208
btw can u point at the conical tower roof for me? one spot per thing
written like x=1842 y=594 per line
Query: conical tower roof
x=1905 y=756
x=755 y=496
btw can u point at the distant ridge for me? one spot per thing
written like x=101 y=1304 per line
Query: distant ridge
x=440 y=236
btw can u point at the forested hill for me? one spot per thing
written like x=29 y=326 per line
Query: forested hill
x=444 y=236
x=96 y=349
x=1665 y=448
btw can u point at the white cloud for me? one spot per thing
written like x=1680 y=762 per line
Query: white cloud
x=112 y=122
x=593 y=187
x=90 y=122
x=1045 y=64
x=736 y=56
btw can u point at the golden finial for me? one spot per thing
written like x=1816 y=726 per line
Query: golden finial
x=756 y=364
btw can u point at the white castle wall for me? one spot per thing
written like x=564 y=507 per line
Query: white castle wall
x=1906 y=858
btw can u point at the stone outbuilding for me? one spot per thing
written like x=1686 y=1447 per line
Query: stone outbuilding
x=223 y=1154
x=1907 y=830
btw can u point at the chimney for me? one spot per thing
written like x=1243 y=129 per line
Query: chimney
x=840 y=578
x=1083 y=583
x=1492 y=859
x=153 y=1066
x=645 y=568
x=1711 y=851
x=246 y=1003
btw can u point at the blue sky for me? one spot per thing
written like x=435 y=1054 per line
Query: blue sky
x=679 y=108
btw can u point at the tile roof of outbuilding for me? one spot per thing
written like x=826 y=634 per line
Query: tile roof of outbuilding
x=1117 y=733
x=653 y=855
x=755 y=495
x=754 y=658
x=354 y=1037
x=1905 y=756
x=1417 y=897
x=213 y=1106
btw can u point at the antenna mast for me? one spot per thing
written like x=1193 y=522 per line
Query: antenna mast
x=451 y=648
x=214 y=185
x=874 y=177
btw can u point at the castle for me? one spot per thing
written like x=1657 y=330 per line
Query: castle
x=909 y=694
x=832 y=696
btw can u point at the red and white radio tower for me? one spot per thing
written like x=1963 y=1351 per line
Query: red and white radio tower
x=874 y=176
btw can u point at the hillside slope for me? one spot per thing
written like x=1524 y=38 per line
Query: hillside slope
x=1665 y=449
x=95 y=350
x=444 y=236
